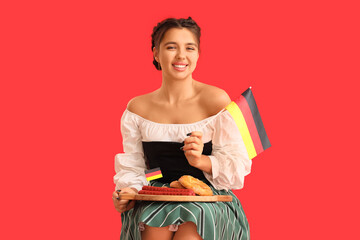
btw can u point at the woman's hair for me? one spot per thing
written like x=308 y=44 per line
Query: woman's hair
x=161 y=28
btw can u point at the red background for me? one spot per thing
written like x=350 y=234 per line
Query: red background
x=68 y=69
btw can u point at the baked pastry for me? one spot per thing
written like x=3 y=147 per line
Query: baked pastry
x=199 y=187
x=176 y=184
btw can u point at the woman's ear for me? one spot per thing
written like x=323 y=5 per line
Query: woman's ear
x=156 y=54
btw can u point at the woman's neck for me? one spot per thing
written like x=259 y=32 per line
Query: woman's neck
x=175 y=91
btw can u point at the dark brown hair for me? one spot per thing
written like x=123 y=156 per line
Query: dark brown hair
x=161 y=28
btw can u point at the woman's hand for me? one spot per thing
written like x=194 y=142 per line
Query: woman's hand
x=193 y=148
x=123 y=205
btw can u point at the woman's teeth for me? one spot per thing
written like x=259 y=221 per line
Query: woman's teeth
x=180 y=66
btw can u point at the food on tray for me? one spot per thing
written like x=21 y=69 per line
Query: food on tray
x=165 y=191
x=188 y=193
x=198 y=186
x=176 y=184
x=186 y=185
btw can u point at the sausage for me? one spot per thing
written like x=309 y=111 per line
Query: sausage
x=165 y=189
x=186 y=193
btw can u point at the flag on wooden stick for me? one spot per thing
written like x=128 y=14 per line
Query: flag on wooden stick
x=153 y=174
x=247 y=117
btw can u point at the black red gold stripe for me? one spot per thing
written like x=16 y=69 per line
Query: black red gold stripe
x=245 y=109
x=246 y=115
x=248 y=95
x=152 y=174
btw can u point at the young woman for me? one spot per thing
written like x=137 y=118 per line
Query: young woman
x=182 y=128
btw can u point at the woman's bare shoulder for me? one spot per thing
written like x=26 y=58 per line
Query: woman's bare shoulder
x=214 y=99
x=140 y=104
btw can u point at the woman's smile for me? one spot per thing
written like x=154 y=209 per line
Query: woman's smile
x=180 y=66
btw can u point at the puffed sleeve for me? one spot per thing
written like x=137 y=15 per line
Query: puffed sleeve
x=229 y=158
x=130 y=165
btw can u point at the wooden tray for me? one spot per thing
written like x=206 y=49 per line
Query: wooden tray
x=175 y=198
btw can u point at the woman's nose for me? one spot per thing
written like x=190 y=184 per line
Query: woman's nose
x=180 y=54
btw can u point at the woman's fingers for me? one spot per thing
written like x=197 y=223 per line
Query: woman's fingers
x=197 y=134
x=192 y=140
x=122 y=205
x=190 y=153
x=115 y=195
x=192 y=146
x=117 y=205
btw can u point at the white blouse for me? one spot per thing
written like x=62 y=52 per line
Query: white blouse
x=229 y=158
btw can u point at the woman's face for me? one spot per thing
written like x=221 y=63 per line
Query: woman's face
x=178 y=53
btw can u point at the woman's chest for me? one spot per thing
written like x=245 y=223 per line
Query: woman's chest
x=185 y=114
x=162 y=132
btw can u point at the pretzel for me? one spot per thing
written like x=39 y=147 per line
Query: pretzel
x=199 y=187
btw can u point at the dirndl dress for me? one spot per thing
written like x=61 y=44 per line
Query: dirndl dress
x=149 y=145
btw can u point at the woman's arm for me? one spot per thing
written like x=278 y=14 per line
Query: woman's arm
x=228 y=163
x=193 y=148
x=213 y=100
x=229 y=158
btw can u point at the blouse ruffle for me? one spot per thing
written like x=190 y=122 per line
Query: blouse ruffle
x=229 y=158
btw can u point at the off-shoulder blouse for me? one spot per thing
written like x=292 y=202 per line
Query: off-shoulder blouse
x=229 y=158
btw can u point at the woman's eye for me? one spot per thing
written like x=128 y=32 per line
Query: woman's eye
x=189 y=48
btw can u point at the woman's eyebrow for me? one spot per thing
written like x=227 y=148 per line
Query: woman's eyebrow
x=169 y=43
x=194 y=44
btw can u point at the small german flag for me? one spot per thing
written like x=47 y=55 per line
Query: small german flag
x=247 y=117
x=152 y=174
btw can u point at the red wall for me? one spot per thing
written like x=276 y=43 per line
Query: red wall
x=68 y=69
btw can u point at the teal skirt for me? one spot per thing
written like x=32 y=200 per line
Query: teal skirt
x=214 y=220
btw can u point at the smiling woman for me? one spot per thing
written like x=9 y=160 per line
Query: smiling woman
x=171 y=23
x=183 y=129
x=177 y=54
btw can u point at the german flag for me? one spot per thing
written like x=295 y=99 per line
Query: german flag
x=152 y=174
x=246 y=115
